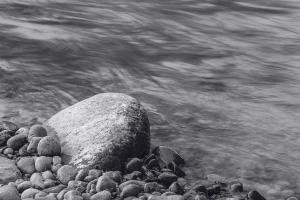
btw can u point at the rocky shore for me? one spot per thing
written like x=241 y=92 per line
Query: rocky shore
x=32 y=163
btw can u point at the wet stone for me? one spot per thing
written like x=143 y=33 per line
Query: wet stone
x=16 y=142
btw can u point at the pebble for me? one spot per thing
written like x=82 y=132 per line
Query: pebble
x=23 y=150
x=86 y=196
x=60 y=195
x=153 y=163
x=131 y=190
x=24 y=186
x=56 y=160
x=151 y=187
x=167 y=178
x=26 y=165
x=236 y=187
x=114 y=175
x=105 y=183
x=176 y=188
x=66 y=173
x=47 y=175
x=16 y=142
x=9 y=193
x=23 y=131
x=49 y=146
x=8 y=151
x=77 y=185
x=41 y=194
x=72 y=194
x=49 y=183
x=95 y=173
x=32 y=147
x=254 y=195
x=292 y=198
x=174 y=197
x=37 y=131
x=55 y=168
x=29 y=193
x=103 y=195
x=43 y=163
x=55 y=189
x=81 y=174
x=4 y=136
x=36 y=180
x=48 y=197
x=139 y=183
x=135 y=164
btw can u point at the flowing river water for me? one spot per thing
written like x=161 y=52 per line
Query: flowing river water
x=220 y=78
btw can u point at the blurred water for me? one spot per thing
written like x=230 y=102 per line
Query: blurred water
x=219 y=78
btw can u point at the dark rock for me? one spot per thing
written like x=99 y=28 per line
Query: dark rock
x=254 y=195
x=37 y=131
x=50 y=183
x=16 y=141
x=8 y=171
x=168 y=155
x=43 y=163
x=236 y=187
x=176 y=188
x=103 y=195
x=151 y=187
x=199 y=188
x=55 y=189
x=24 y=186
x=36 y=180
x=135 y=164
x=4 y=136
x=124 y=134
x=32 y=147
x=8 y=151
x=23 y=150
x=105 y=183
x=66 y=173
x=26 y=165
x=49 y=146
x=175 y=169
x=29 y=193
x=81 y=174
x=133 y=176
x=114 y=175
x=9 y=193
x=5 y=125
x=167 y=178
x=131 y=190
x=153 y=164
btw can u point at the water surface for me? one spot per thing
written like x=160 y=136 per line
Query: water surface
x=219 y=78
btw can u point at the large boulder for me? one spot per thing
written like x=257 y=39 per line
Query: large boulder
x=9 y=172
x=102 y=131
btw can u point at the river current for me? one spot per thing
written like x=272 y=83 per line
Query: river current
x=220 y=78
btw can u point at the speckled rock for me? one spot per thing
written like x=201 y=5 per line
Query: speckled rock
x=9 y=172
x=37 y=131
x=103 y=195
x=131 y=190
x=16 y=142
x=105 y=127
x=9 y=193
x=26 y=165
x=49 y=146
x=66 y=173
x=37 y=181
x=105 y=183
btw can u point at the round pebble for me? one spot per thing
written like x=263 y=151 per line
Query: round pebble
x=16 y=141
x=37 y=131
x=26 y=165
x=43 y=163
x=66 y=173
x=49 y=146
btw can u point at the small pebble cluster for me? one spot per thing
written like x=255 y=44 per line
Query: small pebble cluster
x=158 y=176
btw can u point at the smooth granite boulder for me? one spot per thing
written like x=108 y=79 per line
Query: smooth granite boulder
x=102 y=130
x=9 y=172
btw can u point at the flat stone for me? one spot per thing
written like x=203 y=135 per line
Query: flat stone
x=102 y=130
x=26 y=165
x=9 y=172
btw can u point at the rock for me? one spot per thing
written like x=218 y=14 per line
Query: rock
x=103 y=195
x=167 y=178
x=104 y=128
x=55 y=168
x=133 y=176
x=56 y=160
x=77 y=185
x=139 y=183
x=8 y=171
x=114 y=175
x=86 y=196
x=176 y=188
x=174 y=197
x=48 y=175
x=4 y=136
x=151 y=187
x=167 y=155
x=23 y=131
x=37 y=181
x=9 y=193
x=36 y=131
x=105 y=183
x=40 y=194
x=95 y=173
x=43 y=163
x=236 y=187
x=29 y=193
x=60 y=195
x=292 y=198
x=254 y=195
x=66 y=173
x=134 y=164
x=26 y=165
x=8 y=151
x=5 y=125
x=131 y=190
x=199 y=188
x=50 y=183
x=23 y=150
x=153 y=163
x=48 y=197
x=72 y=195
x=16 y=141
x=49 y=146
x=81 y=174
x=24 y=186
x=32 y=147
x=55 y=189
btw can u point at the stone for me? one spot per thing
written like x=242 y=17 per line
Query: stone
x=32 y=147
x=37 y=131
x=151 y=187
x=103 y=195
x=105 y=183
x=254 y=195
x=131 y=190
x=292 y=198
x=168 y=155
x=24 y=186
x=55 y=168
x=29 y=193
x=48 y=175
x=114 y=175
x=81 y=174
x=43 y=163
x=9 y=193
x=71 y=194
x=9 y=172
x=86 y=196
x=77 y=185
x=135 y=164
x=4 y=136
x=40 y=194
x=66 y=173
x=139 y=183
x=167 y=178
x=48 y=197
x=50 y=183
x=60 y=195
x=23 y=131
x=16 y=142
x=6 y=125
x=236 y=187
x=174 y=197
x=176 y=188
x=56 y=160
x=49 y=146
x=23 y=150
x=95 y=173
x=102 y=130
x=133 y=176
x=8 y=151
x=55 y=189
x=26 y=165
x=37 y=181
